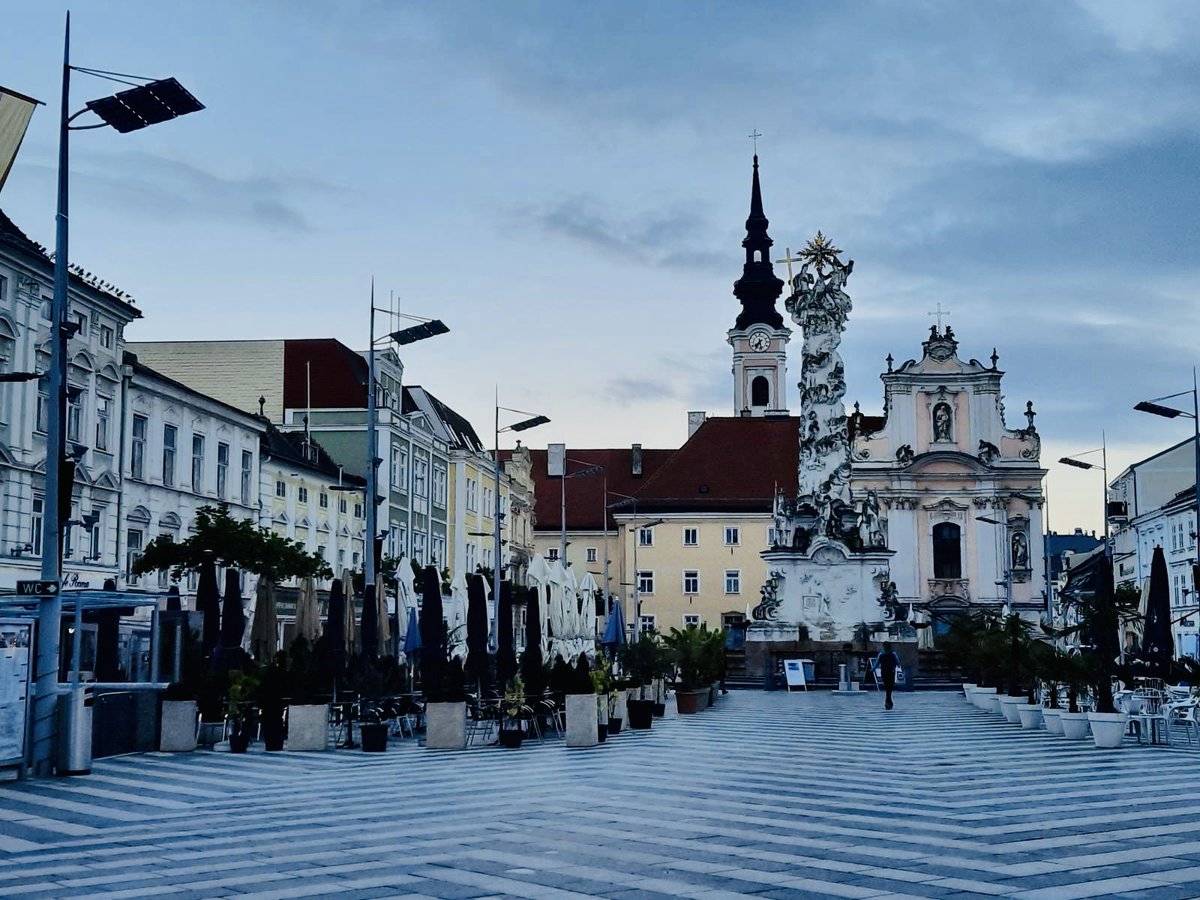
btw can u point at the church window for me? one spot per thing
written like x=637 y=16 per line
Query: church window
x=760 y=391
x=691 y=537
x=947 y=551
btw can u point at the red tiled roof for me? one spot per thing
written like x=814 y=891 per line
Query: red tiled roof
x=338 y=375
x=728 y=465
x=585 y=496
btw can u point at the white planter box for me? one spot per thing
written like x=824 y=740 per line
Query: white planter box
x=1074 y=725
x=991 y=704
x=180 y=723
x=581 y=721
x=1051 y=721
x=1031 y=716
x=1009 y=708
x=967 y=688
x=1108 y=729
x=621 y=707
x=308 y=727
x=980 y=696
x=446 y=726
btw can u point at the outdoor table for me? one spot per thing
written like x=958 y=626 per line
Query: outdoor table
x=1148 y=726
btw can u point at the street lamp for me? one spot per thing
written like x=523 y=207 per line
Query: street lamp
x=148 y=103
x=1081 y=464
x=1000 y=560
x=593 y=469
x=630 y=500
x=533 y=421
x=425 y=328
x=1169 y=412
x=562 y=519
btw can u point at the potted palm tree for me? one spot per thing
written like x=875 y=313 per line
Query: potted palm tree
x=582 y=722
x=640 y=661
x=601 y=685
x=239 y=710
x=512 y=705
x=688 y=655
x=272 y=687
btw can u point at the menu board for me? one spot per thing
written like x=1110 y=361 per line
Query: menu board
x=15 y=647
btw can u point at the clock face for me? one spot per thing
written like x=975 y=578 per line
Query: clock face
x=760 y=341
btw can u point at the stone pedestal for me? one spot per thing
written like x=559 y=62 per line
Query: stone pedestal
x=180 y=722
x=308 y=727
x=582 y=721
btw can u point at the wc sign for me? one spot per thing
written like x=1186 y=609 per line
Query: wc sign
x=38 y=588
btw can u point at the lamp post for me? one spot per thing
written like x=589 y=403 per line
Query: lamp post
x=146 y=103
x=1169 y=412
x=630 y=500
x=1004 y=570
x=1074 y=462
x=533 y=421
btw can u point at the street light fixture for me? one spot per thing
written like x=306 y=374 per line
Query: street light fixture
x=630 y=500
x=145 y=104
x=1004 y=570
x=533 y=421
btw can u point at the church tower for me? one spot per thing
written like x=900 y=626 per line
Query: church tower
x=758 y=337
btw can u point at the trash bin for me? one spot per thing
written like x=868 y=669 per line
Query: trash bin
x=75 y=731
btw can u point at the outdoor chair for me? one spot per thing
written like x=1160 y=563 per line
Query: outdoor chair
x=548 y=708
x=482 y=715
x=1146 y=712
x=1182 y=714
x=529 y=716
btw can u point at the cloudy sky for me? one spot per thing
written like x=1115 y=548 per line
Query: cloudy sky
x=565 y=184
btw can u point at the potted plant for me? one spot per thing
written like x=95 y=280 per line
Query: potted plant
x=180 y=719
x=601 y=685
x=308 y=704
x=616 y=707
x=640 y=660
x=272 y=687
x=512 y=705
x=372 y=726
x=581 y=707
x=239 y=709
x=687 y=654
x=1073 y=721
x=1015 y=638
x=446 y=707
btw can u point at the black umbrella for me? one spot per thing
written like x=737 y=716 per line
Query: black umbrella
x=433 y=626
x=208 y=601
x=477 y=627
x=368 y=626
x=173 y=602
x=233 y=617
x=335 y=624
x=506 y=656
x=533 y=671
x=1158 y=645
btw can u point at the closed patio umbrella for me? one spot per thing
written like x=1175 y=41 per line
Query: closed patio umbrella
x=308 y=617
x=264 y=631
x=352 y=643
x=614 y=629
x=208 y=601
x=455 y=612
x=506 y=655
x=587 y=614
x=432 y=631
x=233 y=617
x=335 y=624
x=477 y=628
x=381 y=608
x=1158 y=644
x=173 y=602
x=370 y=623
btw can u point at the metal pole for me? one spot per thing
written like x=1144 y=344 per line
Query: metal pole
x=494 y=641
x=1196 y=453
x=637 y=581
x=372 y=454
x=605 y=520
x=50 y=608
x=563 y=519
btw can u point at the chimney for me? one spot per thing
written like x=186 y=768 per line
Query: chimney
x=695 y=420
x=635 y=460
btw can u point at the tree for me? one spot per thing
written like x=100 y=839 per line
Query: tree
x=233 y=543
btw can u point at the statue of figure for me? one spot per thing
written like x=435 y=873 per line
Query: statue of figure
x=870 y=526
x=1020 y=550
x=988 y=452
x=942 y=423
x=904 y=455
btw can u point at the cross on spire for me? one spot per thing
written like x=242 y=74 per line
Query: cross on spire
x=789 y=259
x=754 y=136
x=939 y=313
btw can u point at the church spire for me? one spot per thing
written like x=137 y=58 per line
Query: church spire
x=758 y=288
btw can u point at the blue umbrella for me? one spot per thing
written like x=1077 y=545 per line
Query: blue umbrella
x=412 y=637
x=614 y=629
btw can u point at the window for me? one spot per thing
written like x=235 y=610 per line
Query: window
x=133 y=552
x=419 y=544
x=301 y=494
x=103 y=417
x=439 y=485
x=733 y=581
x=647 y=623
x=106 y=337
x=81 y=320
x=96 y=538
x=137 y=451
x=170 y=434
x=760 y=391
x=691 y=537
x=489 y=505
x=420 y=486
x=323 y=500
x=472 y=495
x=222 y=470
x=197 y=463
x=36 y=525
x=75 y=415
x=591 y=554
x=43 y=407
x=733 y=535
x=358 y=510
x=691 y=581
x=342 y=505
x=439 y=549
x=247 y=471
x=947 y=559
x=645 y=582
x=645 y=537
x=341 y=556
x=401 y=541
x=553 y=554
x=3 y=288
x=280 y=489
x=400 y=468
x=321 y=550
x=691 y=621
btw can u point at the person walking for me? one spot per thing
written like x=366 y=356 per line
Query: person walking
x=885 y=666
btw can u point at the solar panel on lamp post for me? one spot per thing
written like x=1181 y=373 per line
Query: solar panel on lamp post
x=145 y=104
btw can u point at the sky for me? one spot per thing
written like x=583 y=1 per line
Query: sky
x=565 y=184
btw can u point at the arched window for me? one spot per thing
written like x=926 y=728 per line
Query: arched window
x=760 y=391
x=947 y=551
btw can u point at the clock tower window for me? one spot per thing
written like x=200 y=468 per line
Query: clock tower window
x=760 y=391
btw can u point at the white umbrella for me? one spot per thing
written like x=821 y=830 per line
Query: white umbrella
x=570 y=602
x=456 y=617
x=556 y=609
x=308 y=618
x=405 y=597
x=539 y=575
x=587 y=615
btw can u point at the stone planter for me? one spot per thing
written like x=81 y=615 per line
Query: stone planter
x=1108 y=729
x=621 y=707
x=991 y=704
x=688 y=702
x=308 y=727
x=641 y=714
x=967 y=688
x=582 y=728
x=1074 y=725
x=1010 y=706
x=980 y=694
x=1031 y=716
x=1051 y=721
x=446 y=726
x=180 y=722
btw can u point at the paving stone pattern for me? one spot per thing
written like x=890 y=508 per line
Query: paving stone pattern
x=769 y=795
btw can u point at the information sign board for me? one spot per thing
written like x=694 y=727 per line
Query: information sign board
x=16 y=642
x=793 y=671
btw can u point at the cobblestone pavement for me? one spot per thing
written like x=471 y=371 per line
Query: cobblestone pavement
x=768 y=795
